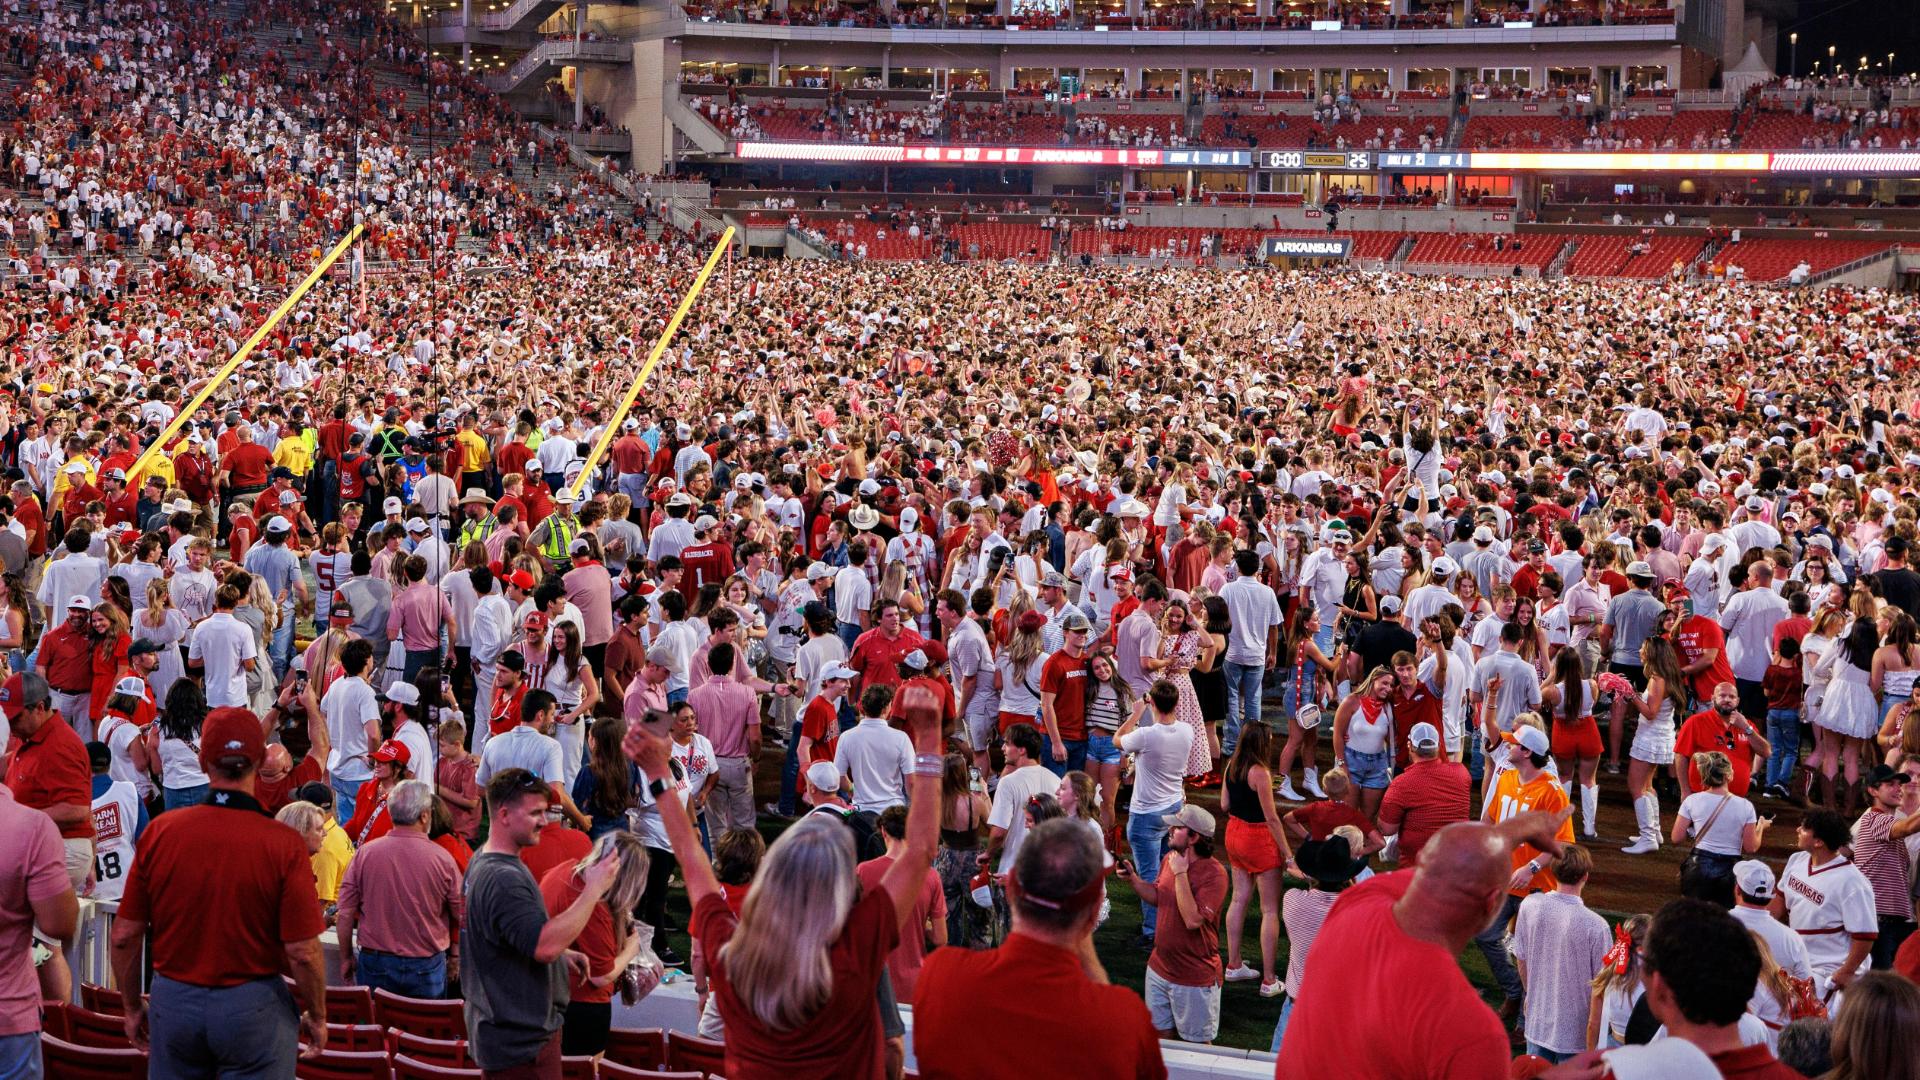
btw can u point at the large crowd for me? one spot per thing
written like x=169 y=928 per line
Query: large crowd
x=998 y=598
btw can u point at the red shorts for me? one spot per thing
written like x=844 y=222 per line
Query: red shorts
x=1580 y=739
x=1251 y=847
x=1008 y=719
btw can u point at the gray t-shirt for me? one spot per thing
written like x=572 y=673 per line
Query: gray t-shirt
x=1631 y=614
x=278 y=566
x=514 y=1003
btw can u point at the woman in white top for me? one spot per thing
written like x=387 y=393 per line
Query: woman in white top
x=164 y=625
x=1896 y=663
x=569 y=678
x=14 y=623
x=1723 y=827
x=173 y=739
x=1849 y=713
x=1618 y=986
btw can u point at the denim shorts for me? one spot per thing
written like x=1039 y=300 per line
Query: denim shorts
x=1100 y=748
x=1369 y=770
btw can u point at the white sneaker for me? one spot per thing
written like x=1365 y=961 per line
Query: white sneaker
x=1642 y=846
x=1242 y=973
x=1272 y=989
x=1287 y=792
x=1312 y=784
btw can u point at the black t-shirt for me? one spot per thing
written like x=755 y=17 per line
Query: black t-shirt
x=1379 y=641
x=514 y=1003
x=1901 y=587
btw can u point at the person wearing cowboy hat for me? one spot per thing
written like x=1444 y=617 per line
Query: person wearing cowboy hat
x=478 y=519
x=1329 y=867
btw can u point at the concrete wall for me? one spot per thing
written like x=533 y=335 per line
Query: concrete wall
x=654 y=62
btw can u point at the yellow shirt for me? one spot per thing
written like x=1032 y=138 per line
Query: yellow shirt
x=473 y=451
x=62 y=480
x=161 y=466
x=294 y=454
x=330 y=862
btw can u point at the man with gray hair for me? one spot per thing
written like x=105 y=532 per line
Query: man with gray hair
x=402 y=895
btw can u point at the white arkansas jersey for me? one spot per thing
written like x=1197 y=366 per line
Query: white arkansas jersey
x=1828 y=907
x=116 y=812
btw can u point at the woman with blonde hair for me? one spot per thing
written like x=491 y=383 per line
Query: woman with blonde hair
x=897 y=586
x=610 y=941
x=164 y=625
x=1724 y=827
x=1873 y=1034
x=1619 y=985
x=795 y=975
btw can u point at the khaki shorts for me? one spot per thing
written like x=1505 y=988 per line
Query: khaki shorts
x=1192 y=1011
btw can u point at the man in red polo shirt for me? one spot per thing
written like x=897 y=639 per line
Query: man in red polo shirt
x=1722 y=728
x=1414 y=703
x=227 y=894
x=876 y=654
x=1046 y=967
x=50 y=771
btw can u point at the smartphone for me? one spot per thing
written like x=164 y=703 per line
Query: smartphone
x=657 y=722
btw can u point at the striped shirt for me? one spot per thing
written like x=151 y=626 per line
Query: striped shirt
x=1302 y=911
x=1884 y=861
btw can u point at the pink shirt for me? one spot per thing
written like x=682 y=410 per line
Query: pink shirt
x=724 y=711
x=404 y=891
x=419 y=611
x=591 y=590
x=33 y=866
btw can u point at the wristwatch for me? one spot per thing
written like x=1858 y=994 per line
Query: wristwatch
x=656 y=787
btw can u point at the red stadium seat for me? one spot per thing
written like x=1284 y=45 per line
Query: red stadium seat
x=344 y=1065
x=687 y=1053
x=88 y=1028
x=102 y=999
x=637 y=1048
x=449 y=1052
x=70 y=1061
x=406 y=1068
x=360 y=1038
x=420 y=1016
x=577 y=1068
x=613 y=1070
x=349 y=1005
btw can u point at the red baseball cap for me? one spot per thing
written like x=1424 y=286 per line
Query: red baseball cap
x=393 y=752
x=231 y=737
x=21 y=690
x=520 y=578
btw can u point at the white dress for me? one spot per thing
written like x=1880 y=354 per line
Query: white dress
x=1848 y=706
x=170 y=633
x=1653 y=739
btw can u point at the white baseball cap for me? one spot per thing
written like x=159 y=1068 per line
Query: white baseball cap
x=1424 y=736
x=824 y=776
x=393 y=505
x=1532 y=739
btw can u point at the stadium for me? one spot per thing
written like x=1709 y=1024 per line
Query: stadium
x=955 y=538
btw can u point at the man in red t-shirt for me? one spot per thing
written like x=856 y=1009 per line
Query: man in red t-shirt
x=1383 y=994
x=929 y=907
x=1063 y=696
x=1721 y=728
x=705 y=561
x=244 y=468
x=1414 y=703
x=820 y=724
x=1426 y=796
x=1183 y=972
x=1702 y=647
x=1041 y=969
